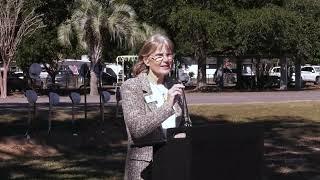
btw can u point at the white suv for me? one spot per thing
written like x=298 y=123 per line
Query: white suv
x=275 y=71
x=310 y=74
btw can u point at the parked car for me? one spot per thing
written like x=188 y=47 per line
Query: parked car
x=275 y=71
x=248 y=70
x=230 y=76
x=310 y=74
x=66 y=79
x=19 y=74
x=15 y=82
x=109 y=77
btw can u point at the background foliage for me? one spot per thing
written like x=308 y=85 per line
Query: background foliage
x=200 y=28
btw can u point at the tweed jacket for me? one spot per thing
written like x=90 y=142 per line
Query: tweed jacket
x=142 y=119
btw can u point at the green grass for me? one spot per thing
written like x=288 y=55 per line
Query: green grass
x=291 y=130
x=309 y=111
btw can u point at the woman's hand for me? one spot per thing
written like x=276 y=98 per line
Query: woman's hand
x=174 y=92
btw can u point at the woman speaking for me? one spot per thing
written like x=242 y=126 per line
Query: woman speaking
x=150 y=105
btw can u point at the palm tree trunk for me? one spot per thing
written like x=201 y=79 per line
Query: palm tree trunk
x=95 y=56
x=93 y=83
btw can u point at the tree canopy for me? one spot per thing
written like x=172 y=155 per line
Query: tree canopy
x=44 y=47
x=16 y=22
x=204 y=28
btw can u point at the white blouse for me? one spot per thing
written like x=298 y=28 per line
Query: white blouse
x=160 y=93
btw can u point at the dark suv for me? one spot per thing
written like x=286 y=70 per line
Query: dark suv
x=16 y=82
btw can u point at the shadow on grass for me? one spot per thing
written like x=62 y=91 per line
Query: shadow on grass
x=291 y=145
x=97 y=150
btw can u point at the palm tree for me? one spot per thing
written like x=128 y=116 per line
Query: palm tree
x=92 y=22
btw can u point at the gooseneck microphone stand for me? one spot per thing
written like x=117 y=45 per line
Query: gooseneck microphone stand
x=185 y=111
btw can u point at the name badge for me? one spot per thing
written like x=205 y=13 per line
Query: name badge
x=150 y=99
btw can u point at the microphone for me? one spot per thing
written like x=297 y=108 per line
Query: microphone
x=185 y=111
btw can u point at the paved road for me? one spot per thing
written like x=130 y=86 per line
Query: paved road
x=207 y=98
x=253 y=97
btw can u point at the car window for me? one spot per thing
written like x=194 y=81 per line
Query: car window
x=211 y=66
x=307 y=69
x=317 y=69
x=247 y=68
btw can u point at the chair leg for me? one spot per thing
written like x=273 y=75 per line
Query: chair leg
x=49 y=119
x=29 y=123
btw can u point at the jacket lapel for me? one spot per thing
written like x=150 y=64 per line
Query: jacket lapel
x=147 y=92
x=145 y=85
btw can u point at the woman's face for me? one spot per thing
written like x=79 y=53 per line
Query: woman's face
x=160 y=62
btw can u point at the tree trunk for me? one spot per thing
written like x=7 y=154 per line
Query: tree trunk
x=297 y=67
x=239 y=73
x=202 y=76
x=284 y=73
x=1 y=85
x=259 y=75
x=53 y=78
x=3 y=81
x=93 y=83
x=95 y=55
x=220 y=73
x=52 y=71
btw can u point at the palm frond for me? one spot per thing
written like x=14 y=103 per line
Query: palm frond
x=64 y=33
x=119 y=27
x=79 y=20
x=84 y=5
x=91 y=18
x=124 y=9
x=137 y=36
x=79 y=28
x=97 y=23
x=150 y=30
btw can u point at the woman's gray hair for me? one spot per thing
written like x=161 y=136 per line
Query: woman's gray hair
x=150 y=46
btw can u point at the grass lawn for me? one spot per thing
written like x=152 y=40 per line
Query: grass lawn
x=291 y=131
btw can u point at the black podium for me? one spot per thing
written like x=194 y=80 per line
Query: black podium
x=219 y=152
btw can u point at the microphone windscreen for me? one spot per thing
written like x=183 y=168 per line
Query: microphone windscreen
x=170 y=81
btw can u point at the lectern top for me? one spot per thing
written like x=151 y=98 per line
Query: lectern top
x=75 y=97
x=105 y=96
x=53 y=98
x=32 y=96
